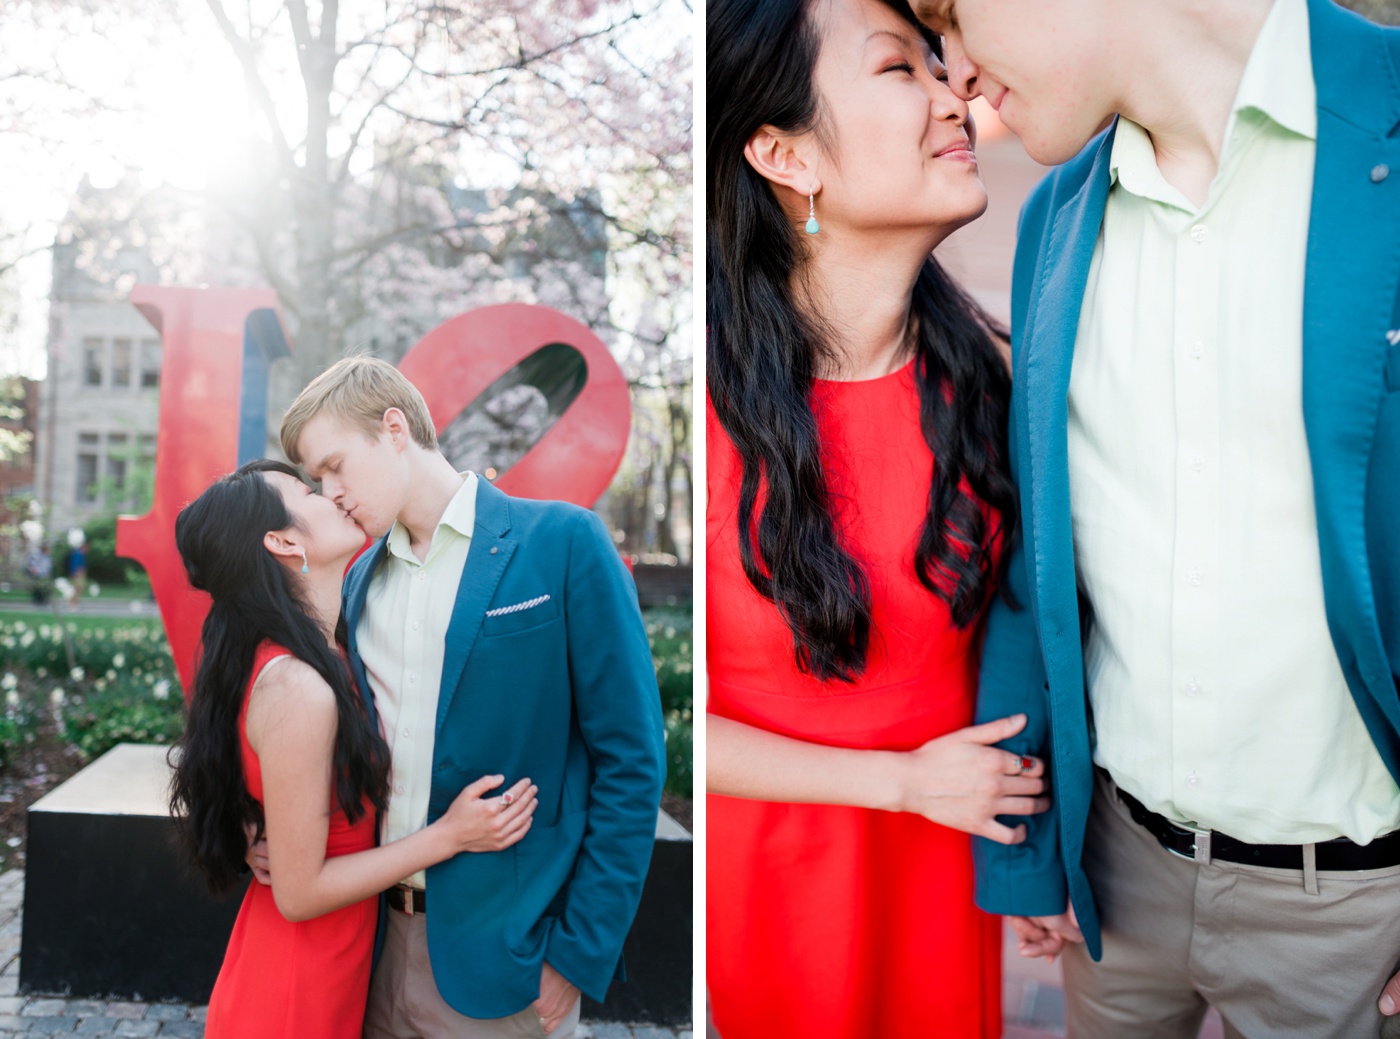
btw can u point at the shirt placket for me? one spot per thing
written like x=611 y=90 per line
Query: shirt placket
x=411 y=719
x=1197 y=564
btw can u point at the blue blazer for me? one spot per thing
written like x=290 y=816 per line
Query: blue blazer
x=563 y=692
x=1033 y=659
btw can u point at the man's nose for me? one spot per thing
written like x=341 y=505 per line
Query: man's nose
x=962 y=70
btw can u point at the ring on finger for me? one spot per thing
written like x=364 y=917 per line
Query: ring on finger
x=507 y=798
x=1024 y=764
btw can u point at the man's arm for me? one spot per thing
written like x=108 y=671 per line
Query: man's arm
x=618 y=710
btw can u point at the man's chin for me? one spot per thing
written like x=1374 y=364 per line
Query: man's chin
x=373 y=529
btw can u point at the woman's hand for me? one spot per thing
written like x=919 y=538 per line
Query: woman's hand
x=474 y=822
x=1045 y=935
x=960 y=780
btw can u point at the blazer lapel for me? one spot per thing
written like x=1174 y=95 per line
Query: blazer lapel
x=487 y=558
x=1052 y=323
x=353 y=606
x=1349 y=303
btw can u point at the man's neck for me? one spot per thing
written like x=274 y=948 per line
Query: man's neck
x=435 y=484
x=1181 y=79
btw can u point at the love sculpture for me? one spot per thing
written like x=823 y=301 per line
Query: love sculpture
x=218 y=345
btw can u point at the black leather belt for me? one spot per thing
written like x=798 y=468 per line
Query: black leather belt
x=411 y=901
x=1337 y=854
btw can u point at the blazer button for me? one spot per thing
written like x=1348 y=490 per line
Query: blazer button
x=1379 y=173
x=493 y=550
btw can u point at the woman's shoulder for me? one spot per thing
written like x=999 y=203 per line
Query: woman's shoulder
x=266 y=653
x=286 y=691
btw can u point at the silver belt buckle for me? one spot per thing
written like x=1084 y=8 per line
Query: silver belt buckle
x=1202 y=846
x=1200 y=850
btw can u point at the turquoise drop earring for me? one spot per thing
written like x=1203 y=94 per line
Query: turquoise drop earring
x=812 y=226
x=304 y=568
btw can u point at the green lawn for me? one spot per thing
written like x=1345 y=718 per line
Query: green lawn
x=84 y=622
x=19 y=592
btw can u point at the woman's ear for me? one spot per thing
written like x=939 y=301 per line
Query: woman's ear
x=281 y=546
x=786 y=159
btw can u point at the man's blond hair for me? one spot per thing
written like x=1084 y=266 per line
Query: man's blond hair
x=358 y=390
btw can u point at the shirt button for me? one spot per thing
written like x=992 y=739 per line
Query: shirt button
x=415 y=625
x=1193 y=780
x=422 y=574
x=398 y=789
x=405 y=730
x=1193 y=578
x=1198 y=233
x=412 y=677
x=1193 y=688
x=1198 y=349
x=1198 y=462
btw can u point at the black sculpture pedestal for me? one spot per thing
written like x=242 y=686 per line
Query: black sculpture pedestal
x=110 y=909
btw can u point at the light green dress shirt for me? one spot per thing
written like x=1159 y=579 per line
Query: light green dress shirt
x=1216 y=693
x=402 y=640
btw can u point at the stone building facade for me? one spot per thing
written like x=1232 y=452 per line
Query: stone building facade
x=98 y=403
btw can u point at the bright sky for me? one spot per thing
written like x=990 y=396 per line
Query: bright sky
x=192 y=86
x=186 y=75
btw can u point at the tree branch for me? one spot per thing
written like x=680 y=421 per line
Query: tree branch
x=244 y=53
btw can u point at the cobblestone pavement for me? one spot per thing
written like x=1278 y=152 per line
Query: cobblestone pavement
x=43 y=1015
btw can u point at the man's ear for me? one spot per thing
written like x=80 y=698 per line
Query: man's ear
x=784 y=159
x=394 y=425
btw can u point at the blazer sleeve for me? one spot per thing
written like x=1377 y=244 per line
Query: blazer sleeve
x=1025 y=879
x=618 y=710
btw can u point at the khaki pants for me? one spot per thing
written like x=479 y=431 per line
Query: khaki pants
x=1272 y=958
x=404 y=1002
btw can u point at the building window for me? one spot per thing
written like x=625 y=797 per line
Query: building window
x=92 y=362
x=118 y=460
x=121 y=363
x=87 y=469
x=150 y=363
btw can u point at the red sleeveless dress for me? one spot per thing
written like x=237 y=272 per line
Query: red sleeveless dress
x=283 y=980
x=827 y=921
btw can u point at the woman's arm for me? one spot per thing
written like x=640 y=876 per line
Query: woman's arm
x=958 y=780
x=291 y=725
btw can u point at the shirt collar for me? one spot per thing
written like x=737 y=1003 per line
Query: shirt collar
x=459 y=516
x=1277 y=83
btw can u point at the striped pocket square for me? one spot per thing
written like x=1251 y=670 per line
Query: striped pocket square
x=501 y=611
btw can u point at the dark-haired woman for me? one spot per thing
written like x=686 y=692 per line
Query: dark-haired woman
x=278 y=740
x=859 y=502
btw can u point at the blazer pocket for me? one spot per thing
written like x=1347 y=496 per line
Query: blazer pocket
x=511 y=617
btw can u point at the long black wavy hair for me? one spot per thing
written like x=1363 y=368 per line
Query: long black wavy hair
x=220 y=538
x=763 y=353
